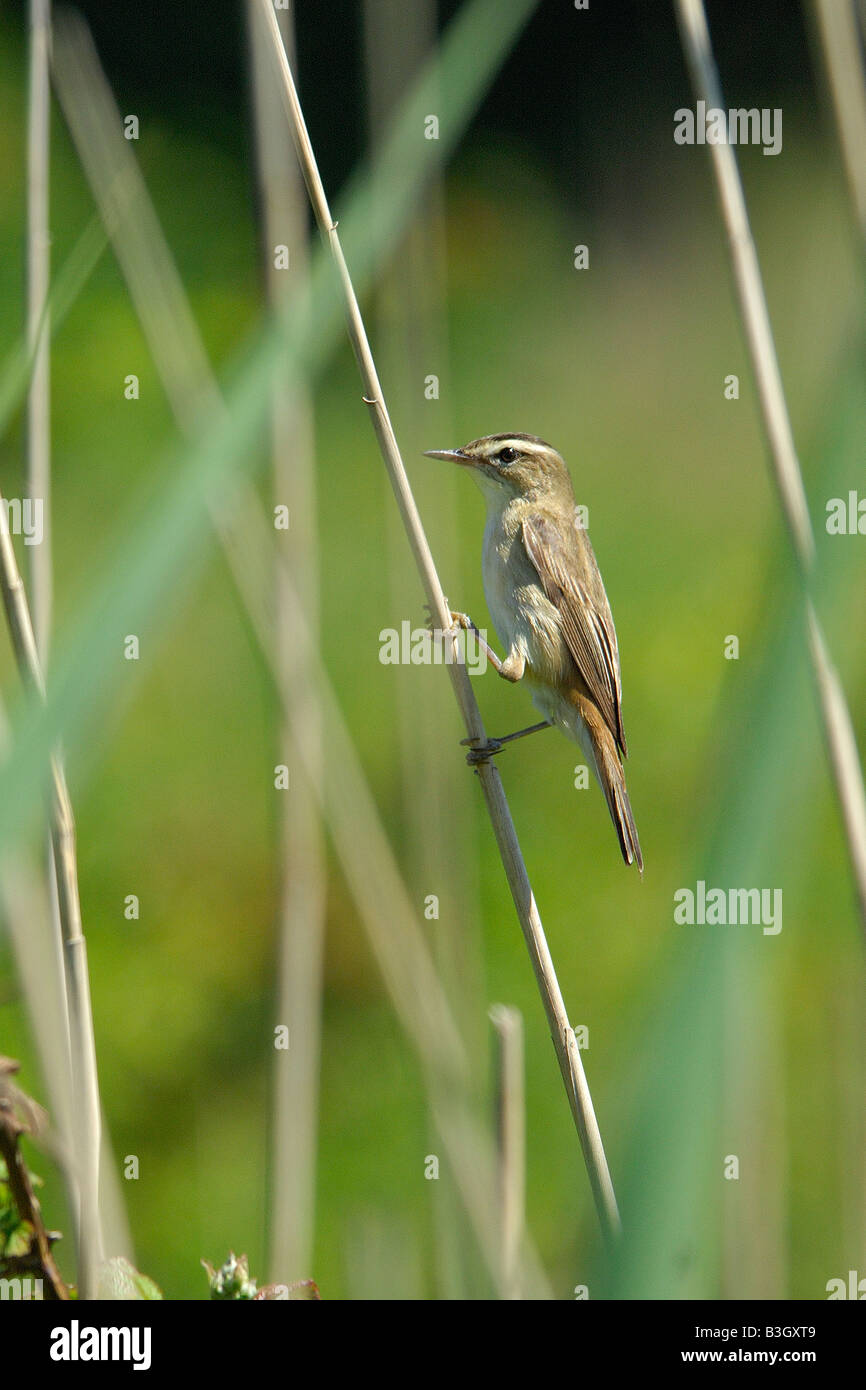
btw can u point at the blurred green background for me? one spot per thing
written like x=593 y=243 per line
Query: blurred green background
x=704 y=1042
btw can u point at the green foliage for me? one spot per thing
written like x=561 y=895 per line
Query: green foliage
x=232 y=1279
x=16 y=1235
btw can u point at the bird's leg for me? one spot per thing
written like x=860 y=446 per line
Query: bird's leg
x=463 y=620
x=521 y=733
x=513 y=666
x=494 y=745
x=510 y=669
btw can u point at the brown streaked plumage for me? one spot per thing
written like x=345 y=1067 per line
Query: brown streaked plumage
x=549 y=606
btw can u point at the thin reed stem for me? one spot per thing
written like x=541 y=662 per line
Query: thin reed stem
x=438 y=820
x=30 y=636
x=497 y=805
x=39 y=392
x=85 y=1086
x=380 y=894
x=511 y=1137
x=38 y=324
x=838 y=730
x=301 y=847
x=843 y=58
x=39 y=388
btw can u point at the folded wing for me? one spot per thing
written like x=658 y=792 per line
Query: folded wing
x=569 y=575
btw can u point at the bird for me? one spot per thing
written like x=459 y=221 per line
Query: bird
x=549 y=608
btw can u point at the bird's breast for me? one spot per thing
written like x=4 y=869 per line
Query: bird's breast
x=523 y=616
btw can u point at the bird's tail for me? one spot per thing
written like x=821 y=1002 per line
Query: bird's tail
x=611 y=779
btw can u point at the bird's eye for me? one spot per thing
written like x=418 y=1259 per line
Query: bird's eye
x=507 y=455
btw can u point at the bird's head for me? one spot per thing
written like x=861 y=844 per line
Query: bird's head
x=506 y=466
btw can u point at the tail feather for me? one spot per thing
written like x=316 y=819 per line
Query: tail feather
x=612 y=782
x=621 y=815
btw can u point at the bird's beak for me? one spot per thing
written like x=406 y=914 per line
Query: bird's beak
x=449 y=455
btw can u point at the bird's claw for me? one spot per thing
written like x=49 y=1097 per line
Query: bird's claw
x=477 y=755
x=458 y=620
x=463 y=620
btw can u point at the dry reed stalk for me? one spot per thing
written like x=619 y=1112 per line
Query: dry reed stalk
x=85 y=1086
x=39 y=390
x=843 y=58
x=301 y=847
x=438 y=820
x=511 y=1132
x=38 y=327
x=372 y=874
x=409 y=312
x=562 y=1034
x=30 y=633
x=838 y=729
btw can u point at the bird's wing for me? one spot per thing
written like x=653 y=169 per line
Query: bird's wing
x=570 y=578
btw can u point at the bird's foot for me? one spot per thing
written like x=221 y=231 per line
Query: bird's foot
x=458 y=620
x=480 y=754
